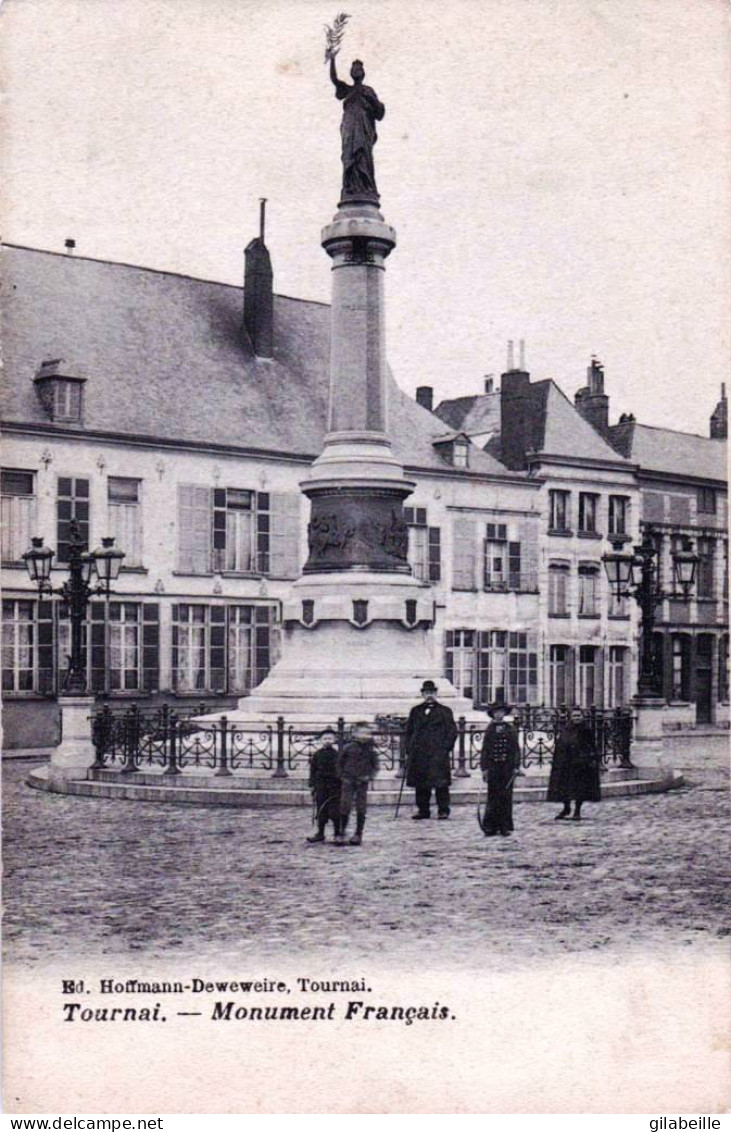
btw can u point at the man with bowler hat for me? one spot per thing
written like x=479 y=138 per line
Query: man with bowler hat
x=499 y=763
x=429 y=738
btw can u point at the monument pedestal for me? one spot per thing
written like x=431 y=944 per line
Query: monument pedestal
x=357 y=625
x=75 y=753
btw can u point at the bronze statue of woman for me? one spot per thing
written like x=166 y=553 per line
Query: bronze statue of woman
x=361 y=111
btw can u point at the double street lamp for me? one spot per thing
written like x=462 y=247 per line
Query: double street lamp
x=103 y=563
x=637 y=575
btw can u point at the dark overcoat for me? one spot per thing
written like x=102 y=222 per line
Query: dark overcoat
x=575 y=767
x=499 y=761
x=429 y=738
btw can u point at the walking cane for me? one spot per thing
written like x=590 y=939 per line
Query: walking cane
x=401 y=791
x=480 y=820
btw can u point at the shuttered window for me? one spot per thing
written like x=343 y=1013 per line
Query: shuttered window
x=19 y=653
x=252 y=645
x=493 y=666
x=72 y=504
x=558 y=585
x=425 y=545
x=284 y=535
x=18 y=505
x=561 y=676
x=120 y=646
x=464 y=554
x=125 y=518
x=194 y=529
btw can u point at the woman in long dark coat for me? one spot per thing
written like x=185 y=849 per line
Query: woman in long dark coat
x=575 y=769
x=499 y=764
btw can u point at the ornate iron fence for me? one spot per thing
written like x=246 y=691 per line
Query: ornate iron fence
x=173 y=741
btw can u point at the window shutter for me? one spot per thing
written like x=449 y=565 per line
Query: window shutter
x=263 y=531
x=464 y=554
x=175 y=637
x=98 y=646
x=219 y=528
x=599 y=678
x=529 y=555
x=45 y=628
x=284 y=535
x=218 y=648
x=435 y=554
x=570 y=676
x=263 y=617
x=515 y=581
x=194 y=529
x=532 y=644
x=150 y=646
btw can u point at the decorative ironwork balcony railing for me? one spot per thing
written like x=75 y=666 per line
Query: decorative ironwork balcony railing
x=174 y=742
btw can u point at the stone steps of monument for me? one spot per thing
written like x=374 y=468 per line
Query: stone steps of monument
x=227 y=792
x=386 y=782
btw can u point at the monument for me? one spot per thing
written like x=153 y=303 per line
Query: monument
x=357 y=624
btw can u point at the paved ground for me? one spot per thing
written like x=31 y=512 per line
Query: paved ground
x=123 y=879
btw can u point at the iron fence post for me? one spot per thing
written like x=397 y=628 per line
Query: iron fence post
x=101 y=729
x=172 y=767
x=281 y=771
x=132 y=740
x=223 y=767
x=462 y=771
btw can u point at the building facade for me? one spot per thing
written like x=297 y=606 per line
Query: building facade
x=180 y=415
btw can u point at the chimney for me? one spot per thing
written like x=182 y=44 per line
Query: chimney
x=69 y=245
x=719 y=418
x=591 y=401
x=515 y=409
x=489 y=383
x=259 y=292
x=425 y=397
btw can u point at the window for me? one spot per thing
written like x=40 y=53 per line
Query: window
x=461 y=453
x=121 y=646
x=588 y=513
x=123 y=496
x=558 y=584
x=561 y=675
x=591 y=690
x=66 y=400
x=460 y=661
x=618 y=604
x=705 y=584
x=618 y=676
x=195 y=650
x=72 y=503
x=618 y=515
x=681 y=667
x=124 y=646
x=495 y=666
x=252 y=645
x=559 y=511
x=496 y=557
x=234 y=531
x=588 y=591
x=424 y=545
x=706 y=501
x=238 y=531
x=18 y=513
x=18 y=646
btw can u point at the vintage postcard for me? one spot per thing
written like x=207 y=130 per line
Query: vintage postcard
x=365 y=557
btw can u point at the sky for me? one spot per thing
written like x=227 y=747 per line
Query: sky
x=556 y=170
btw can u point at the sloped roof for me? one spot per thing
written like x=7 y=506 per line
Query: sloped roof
x=567 y=433
x=164 y=358
x=473 y=415
x=555 y=427
x=676 y=453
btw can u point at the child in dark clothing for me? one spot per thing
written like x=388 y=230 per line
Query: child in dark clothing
x=325 y=785
x=357 y=766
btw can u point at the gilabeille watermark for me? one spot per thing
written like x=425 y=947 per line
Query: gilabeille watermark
x=668 y=1123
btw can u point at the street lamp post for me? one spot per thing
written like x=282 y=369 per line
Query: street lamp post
x=105 y=563
x=636 y=575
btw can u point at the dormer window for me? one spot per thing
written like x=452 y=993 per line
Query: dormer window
x=461 y=453
x=60 y=392
x=454 y=448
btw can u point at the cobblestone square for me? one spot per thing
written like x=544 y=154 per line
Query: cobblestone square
x=86 y=877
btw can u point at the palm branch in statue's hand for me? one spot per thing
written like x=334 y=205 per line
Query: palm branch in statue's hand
x=334 y=35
